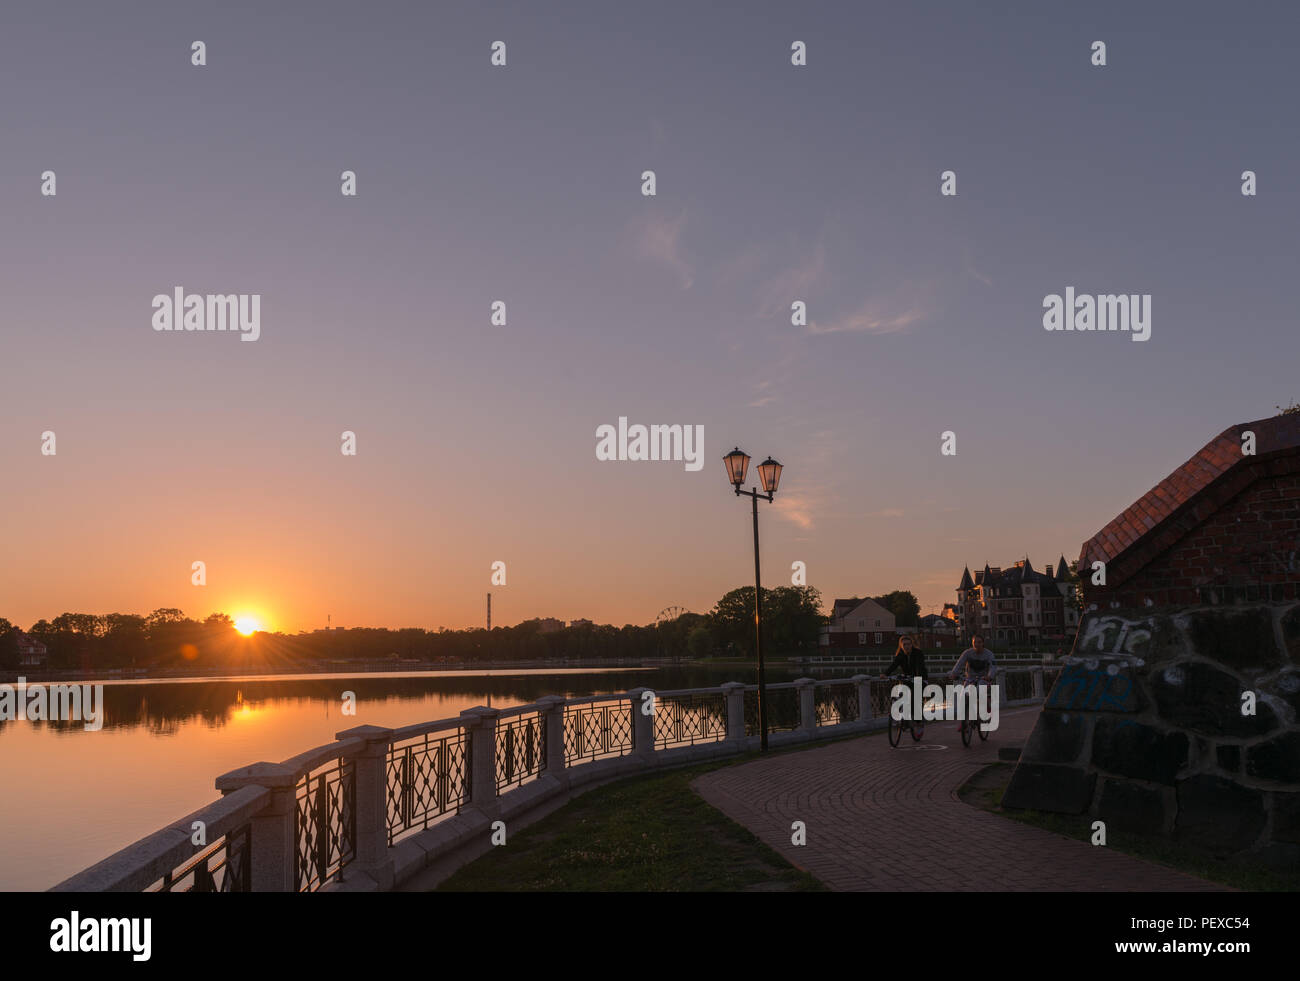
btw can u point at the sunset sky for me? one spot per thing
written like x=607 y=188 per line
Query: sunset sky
x=476 y=443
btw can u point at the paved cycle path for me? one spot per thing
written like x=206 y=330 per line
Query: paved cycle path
x=884 y=819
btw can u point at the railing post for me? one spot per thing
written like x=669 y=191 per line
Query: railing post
x=734 y=693
x=1000 y=679
x=481 y=724
x=865 y=710
x=806 y=687
x=1037 y=674
x=553 y=706
x=272 y=831
x=643 y=726
x=371 y=768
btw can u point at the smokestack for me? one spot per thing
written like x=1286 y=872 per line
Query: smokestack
x=489 y=625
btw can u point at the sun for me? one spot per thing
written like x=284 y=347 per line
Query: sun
x=246 y=625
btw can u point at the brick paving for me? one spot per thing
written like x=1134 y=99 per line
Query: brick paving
x=884 y=819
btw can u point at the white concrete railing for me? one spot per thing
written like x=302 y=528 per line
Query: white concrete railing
x=404 y=808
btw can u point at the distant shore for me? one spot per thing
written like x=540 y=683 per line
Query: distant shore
x=871 y=663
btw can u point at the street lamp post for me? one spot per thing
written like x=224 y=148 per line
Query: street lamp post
x=769 y=473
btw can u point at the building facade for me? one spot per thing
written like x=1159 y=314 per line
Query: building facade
x=859 y=623
x=31 y=652
x=1018 y=605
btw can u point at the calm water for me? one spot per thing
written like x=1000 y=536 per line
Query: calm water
x=69 y=797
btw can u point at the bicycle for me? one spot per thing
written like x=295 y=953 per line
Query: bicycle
x=896 y=726
x=969 y=726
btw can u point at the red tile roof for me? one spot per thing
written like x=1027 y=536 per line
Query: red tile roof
x=1216 y=464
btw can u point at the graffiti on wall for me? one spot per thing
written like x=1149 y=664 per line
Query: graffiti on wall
x=1105 y=688
x=1114 y=635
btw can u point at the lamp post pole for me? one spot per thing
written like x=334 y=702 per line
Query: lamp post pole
x=769 y=472
x=758 y=636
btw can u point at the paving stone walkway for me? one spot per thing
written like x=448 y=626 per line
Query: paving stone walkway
x=884 y=819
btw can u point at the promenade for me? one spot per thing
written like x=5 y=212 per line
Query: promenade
x=880 y=819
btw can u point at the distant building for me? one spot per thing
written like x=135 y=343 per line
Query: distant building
x=31 y=652
x=933 y=623
x=546 y=625
x=859 y=623
x=1018 y=605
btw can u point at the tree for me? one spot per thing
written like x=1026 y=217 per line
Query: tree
x=904 y=606
x=8 y=645
x=1075 y=595
x=165 y=614
x=792 y=617
x=1289 y=410
x=124 y=638
x=699 y=642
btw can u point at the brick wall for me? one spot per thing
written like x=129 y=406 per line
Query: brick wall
x=1235 y=545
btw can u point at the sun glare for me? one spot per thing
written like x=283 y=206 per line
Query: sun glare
x=246 y=625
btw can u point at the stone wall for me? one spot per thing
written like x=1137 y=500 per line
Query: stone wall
x=1144 y=729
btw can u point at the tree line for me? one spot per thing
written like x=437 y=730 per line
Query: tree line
x=167 y=639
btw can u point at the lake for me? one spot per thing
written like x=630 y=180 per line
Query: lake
x=70 y=797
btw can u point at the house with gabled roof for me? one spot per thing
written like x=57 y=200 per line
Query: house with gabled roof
x=860 y=623
x=31 y=652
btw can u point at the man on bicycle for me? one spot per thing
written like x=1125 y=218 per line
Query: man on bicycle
x=977 y=660
x=977 y=664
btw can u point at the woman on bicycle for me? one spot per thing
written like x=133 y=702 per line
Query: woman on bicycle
x=909 y=659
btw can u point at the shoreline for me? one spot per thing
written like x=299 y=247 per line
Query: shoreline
x=415 y=669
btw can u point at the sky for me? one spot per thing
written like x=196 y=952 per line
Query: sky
x=774 y=183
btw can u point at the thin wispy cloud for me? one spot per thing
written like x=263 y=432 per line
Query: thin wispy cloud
x=795 y=282
x=795 y=508
x=804 y=503
x=761 y=399
x=872 y=317
x=973 y=272
x=939 y=579
x=887 y=513
x=659 y=240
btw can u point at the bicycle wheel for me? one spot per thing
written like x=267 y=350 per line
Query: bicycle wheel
x=895 y=731
x=965 y=732
x=980 y=729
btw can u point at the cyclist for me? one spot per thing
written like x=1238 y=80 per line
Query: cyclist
x=977 y=660
x=909 y=660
